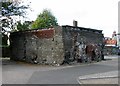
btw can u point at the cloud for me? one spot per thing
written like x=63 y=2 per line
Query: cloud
x=98 y=14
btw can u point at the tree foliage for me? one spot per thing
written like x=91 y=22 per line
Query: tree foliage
x=13 y=9
x=24 y=26
x=4 y=38
x=45 y=20
x=9 y=11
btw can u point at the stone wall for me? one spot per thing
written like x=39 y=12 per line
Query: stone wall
x=5 y=51
x=111 y=50
x=38 y=46
x=87 y=35
x=17 y=47
x=51 y=50
x=84 y=36
x=50 y=46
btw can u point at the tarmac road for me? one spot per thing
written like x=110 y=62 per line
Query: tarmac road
x=20 y=73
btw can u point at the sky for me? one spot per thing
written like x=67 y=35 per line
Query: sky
x=95 y=14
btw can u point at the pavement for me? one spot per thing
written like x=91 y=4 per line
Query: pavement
x=105 y=72
x=111 y=77
x=100 y=78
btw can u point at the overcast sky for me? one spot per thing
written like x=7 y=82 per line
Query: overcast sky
x=95 y=14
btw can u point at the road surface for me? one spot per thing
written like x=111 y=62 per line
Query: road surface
x=21 y=73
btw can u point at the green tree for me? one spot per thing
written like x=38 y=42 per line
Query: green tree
x=45 y=20
x=9 y=11
x=24 y=26
x=4 y=39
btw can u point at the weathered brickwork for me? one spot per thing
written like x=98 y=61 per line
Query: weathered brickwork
x=38 y=46
x=83 y=36
x=51 y=46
